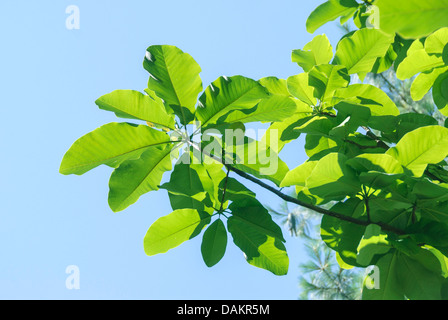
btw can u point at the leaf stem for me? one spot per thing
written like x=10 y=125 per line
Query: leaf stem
x=224 y=190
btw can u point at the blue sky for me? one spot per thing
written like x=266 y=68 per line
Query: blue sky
x=50 y=78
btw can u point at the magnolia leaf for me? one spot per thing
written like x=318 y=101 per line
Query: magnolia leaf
x=214 y=243
x=418 y=61
x=424 y=82
x=385 y=273
x=343 y=236
x=332 y=178
x=327 y=78
x=228 y=94
x=131 y=104
x=298 y=86
x=133 y=178
x=318 y=51
x=174 y=77
x=272 y=109
x=420 y=147
x=111 y=144
x=329 y=11
x=412 y=18
x=359 y=51
x=436 y=42
x=172 y=230
x=254 y=232
x=275 y=85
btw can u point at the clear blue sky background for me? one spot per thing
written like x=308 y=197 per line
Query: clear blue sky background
x=50 y=78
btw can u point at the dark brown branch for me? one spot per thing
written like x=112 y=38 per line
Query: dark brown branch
x=288 y=198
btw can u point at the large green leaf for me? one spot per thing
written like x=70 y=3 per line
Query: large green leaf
x=382 y=109
x=189 y=186
x=298 y=86
x=172 y=230
x=272 y=109
x=318 y=51
x=326 y=78
x=298 y=175
x=418 y=61
x=412 y=18
x=419 y=275
x=111 y=144
x=420 y=147
x=373 y=243
x=174 y=77
x=343 y=236
x=228 y=94
x=281 y=133
x=424 y=82
x=436 y=42
x=332 y=178
x=359 y=51
x=252 y=213
x=380 y=162
x=275 y=85
x=367 y=95
x=254 y=232
x=329 y=11
x=132 y=104
x=133 y=178
x=388 y=288
x=214 y=243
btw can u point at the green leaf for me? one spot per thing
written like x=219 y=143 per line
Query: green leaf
x=332 y=178
x=228 y=94
x=329 y=11
x=343 y=236
x=236 y=191
x=318 y=51
x=367 y=95
x=420 y=147
x=131 y=104
x=186 y=186
x=298 y=175
x=280 y=133
x=214 y=243
x=380 y=162
x=373 y=243
x=133 y=178
x=252 y=231
x=424 y=82
x=417 y=277
x=326 y=78
x=174 y=77
x=418 y=61
x=436 y=42
x=275 y=85
x=252 y=213
x=318 y=146
x=272 y=109
x=359 y=51
x=172 y=230
x=412 y=18
x=408 y=122
x=111 y=144
x=440 y=93
x=388 y=288
x=298 y=86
